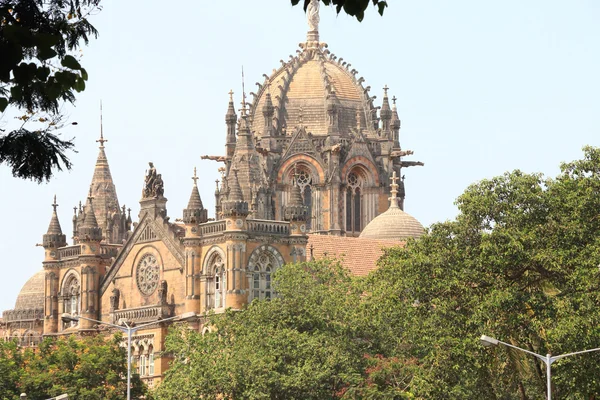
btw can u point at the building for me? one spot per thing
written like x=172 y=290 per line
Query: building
x=307 y=172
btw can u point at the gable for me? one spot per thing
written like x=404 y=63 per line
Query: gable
x=148 y=231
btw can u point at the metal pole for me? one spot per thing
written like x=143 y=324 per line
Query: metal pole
x=129 y=332
x=548 y=375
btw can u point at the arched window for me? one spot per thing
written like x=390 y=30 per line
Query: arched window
x=142 y=363
x=304 y=181
x=151 y=360
x=262 y=264
x=216 y=283
x=72 y=298
x=354 y=203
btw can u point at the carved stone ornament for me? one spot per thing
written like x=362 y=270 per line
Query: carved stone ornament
x=153 y=183
x=147 y=274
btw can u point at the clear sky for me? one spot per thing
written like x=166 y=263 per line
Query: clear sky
x=483 y=87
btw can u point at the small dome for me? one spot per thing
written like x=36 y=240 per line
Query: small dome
x=394 y=224
x=31 y=295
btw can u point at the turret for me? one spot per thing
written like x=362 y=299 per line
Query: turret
x=89 y=231
x=231 y=121
x=54 y=237
x=235 y=206
x=395 y=124
x=385 y=114
x=195 y=213
x=268 y=112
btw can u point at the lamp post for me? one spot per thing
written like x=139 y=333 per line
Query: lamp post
x=129 y=329
x=488 y=341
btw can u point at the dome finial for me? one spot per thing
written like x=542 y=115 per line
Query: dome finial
x=54 y=205
x=312 y=15
x=394 y=191
x=195 y=178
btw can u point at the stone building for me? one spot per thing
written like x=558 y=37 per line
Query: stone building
x=308 y=166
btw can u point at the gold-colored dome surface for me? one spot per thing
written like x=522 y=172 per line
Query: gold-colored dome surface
x=31 y=295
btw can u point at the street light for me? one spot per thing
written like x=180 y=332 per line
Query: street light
x=129 y=329
x=488 y=341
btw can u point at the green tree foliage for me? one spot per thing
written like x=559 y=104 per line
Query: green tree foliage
x=309 y=343
x=354 y=8
x=520 y=263
x=88 y=368
x=39 y=71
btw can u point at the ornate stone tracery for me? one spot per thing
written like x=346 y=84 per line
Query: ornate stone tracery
x=147 y=274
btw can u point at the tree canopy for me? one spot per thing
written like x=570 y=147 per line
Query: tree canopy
x=519 y=263
x=354 y=8
x=40 y=71
x=88 y=368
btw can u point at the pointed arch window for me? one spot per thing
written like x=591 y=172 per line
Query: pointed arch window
x=216 y=282
x=305 y=181
x=354 y=203
x=72 y=298
x=262 y=266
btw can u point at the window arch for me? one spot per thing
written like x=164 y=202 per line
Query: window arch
x=300 y=174
x=263 y=262
x=216 y=279
x=353 y=201
x=71 y=294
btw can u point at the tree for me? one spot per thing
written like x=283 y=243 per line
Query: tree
x=39 y=72
x=519 y=263
x=308 y=343
x=88 y=368
x=354 y=8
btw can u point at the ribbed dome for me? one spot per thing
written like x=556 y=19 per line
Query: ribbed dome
x=31 y=295
x=394 y=224
x=302 y=88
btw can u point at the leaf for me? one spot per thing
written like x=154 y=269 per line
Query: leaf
x=3 y=103
x=46 y=53
x=70 y=62
x=84 y=74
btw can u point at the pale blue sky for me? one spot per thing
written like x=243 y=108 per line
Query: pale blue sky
x=483 y=88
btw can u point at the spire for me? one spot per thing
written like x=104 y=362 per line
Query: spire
x=102 y=187
x=268 y=111
x=89 y=230
x=195 y=212
x=54 y=237
x=235 y=191
x=312 y=16
x=386 y=112
x=395 y=119
x=295 y=210
x=54 y=227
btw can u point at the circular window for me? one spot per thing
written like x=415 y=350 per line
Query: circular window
x=352 y=179
x=147 y=274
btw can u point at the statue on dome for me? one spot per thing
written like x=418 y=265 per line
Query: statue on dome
x=153 y=183
x=312 y=13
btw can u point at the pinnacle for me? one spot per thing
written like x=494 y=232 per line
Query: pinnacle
x=54 y=227
x=195 y=202
x=235 y=193
x=90 y=218
x=394 y=191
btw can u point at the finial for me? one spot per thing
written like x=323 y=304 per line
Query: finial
x=101 y=140
x=90 y=197
x=217 y=182
x=195 y=178
x=75 y=210
x=394 y=100
x=80 y=206
x=231 y=95
x=394 y=191
x=385 y=90
x=124 y=209
x=243 y=94
x=54 y=205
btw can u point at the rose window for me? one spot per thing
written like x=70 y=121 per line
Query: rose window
x=147 y=275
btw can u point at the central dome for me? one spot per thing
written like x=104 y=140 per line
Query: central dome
x=305 y=89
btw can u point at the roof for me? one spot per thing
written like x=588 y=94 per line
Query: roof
x=394 y=224
x=31 y=295
x=359 y=255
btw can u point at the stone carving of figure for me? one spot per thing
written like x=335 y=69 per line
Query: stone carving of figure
x=114 y=299
x=149 y=181
x=158 y=188
x=162 y=293
x=312 y=13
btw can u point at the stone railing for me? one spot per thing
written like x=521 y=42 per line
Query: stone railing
x=69 y=252
x=268 y=226
x=141 y=314
x=212 y=228
x=22 y=315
